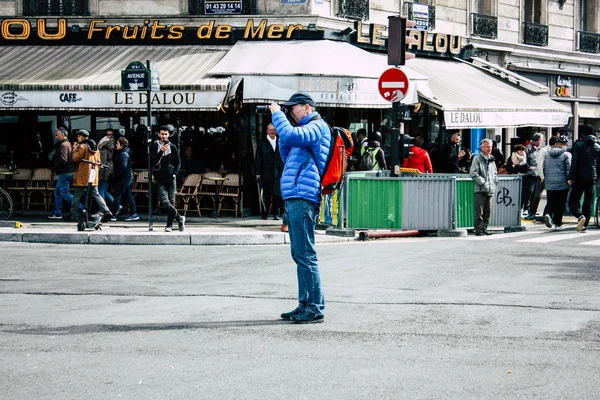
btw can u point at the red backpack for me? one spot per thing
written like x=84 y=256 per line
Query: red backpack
x=340 y=149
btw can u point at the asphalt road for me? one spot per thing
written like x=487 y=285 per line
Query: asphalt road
x=423 y=318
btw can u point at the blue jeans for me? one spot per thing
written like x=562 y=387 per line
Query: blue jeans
x=61 y=192
x=301 y=216
x=103 y=190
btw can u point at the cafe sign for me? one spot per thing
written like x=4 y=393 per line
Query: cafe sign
x=564 y=86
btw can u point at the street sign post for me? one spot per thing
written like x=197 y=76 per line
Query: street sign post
x=393 y=86
x=138 y=77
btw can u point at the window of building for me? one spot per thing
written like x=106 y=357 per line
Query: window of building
x=485 y=7
x=588 y=16
x=55 y=7
x=352 y=9
x=535 y=11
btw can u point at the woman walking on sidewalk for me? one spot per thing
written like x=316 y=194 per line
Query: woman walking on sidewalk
x=123 y=179
x=165 y=166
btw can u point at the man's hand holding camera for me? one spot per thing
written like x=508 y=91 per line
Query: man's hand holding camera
x=274 y=107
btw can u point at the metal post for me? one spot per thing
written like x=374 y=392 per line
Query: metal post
x=149 y=139
x=395 y=167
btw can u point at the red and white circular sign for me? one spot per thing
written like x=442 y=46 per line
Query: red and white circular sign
x=393 y=85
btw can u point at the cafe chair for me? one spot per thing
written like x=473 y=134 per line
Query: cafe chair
x=230 y=189
x=140 y=185
x=209 y=188
x=19 y=183
x=39 y=184
x=188 y=192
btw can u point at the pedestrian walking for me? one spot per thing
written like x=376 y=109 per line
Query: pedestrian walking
x=268 y=168
x=557 y=165
x=165 y=166
x=304 y=149
x=484 y=174
x=582 y=178
x=123 y=179
x=64 y=168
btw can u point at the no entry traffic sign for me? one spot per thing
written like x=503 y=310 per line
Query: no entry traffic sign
x=393 y=85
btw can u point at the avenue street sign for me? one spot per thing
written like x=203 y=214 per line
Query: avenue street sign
x=135 y=78
x=393 y=85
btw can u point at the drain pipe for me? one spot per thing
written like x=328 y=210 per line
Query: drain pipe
x=364 y=235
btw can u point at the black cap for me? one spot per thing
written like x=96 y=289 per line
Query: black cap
x=300 y=98
x=563 y=139
x=84 y=133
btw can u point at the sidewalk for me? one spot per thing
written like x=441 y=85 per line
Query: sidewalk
x=37 y=228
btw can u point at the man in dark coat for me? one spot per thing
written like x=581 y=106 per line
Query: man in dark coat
x=582 y=177
x=451 y=154
x=268 y=168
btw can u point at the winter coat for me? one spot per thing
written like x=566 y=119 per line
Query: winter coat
x=418 y=159
x=544 y=152
x=449 y=158
x=586 y=157
x=107 y=149
x=63 y=157
x=86 y=150
x=484 y=174
x=533 y=158
x=516 y=165
x=122 y=175
x=164 y=166
x=268 y=162
x=556 y=169
x=300 y=147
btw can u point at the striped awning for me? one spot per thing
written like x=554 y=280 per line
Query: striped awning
x=75 y=68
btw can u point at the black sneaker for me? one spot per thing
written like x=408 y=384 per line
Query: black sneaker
x=275 y=218
x=479 y=233
x=307 y=317
x=487 y=233
x=289 y=315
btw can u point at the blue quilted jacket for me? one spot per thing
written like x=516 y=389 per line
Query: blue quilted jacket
x=301 y=178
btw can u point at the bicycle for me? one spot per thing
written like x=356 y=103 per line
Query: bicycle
x=6 y=205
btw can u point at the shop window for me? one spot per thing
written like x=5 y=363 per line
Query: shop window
x=55 y=7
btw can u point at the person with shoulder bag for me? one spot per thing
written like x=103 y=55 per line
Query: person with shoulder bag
x=165 y=166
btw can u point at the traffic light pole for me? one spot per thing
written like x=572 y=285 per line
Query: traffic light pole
x=396 y=49
x=395 y=167
x=149 y=139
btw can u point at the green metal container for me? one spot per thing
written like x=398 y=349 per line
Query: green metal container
x=374 y=203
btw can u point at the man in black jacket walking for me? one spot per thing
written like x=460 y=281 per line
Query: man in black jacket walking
x=582 y=177
x=268 y=168
x=165 y=166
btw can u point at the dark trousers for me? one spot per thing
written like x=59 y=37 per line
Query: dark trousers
x=583 y=187
x=166 y=196
x=483 y=204
x=532 y=192
x=555 y=206
x=271 y=199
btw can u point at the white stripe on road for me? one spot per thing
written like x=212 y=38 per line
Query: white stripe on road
x=549 y=238
x=393 y=85
x=500 y=235
x=592 y=243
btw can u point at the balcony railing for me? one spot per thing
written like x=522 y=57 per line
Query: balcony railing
x=55 y=8
x=410 y=14
x=589 y=42
x=353 y=9
x=535 y=34
x=485 y=26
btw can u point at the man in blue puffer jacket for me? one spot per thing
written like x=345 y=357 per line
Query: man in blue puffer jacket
x=304 y=150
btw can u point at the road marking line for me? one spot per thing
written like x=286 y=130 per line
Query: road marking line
x=549 y=238
x=500 y=235
x=592 y=243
